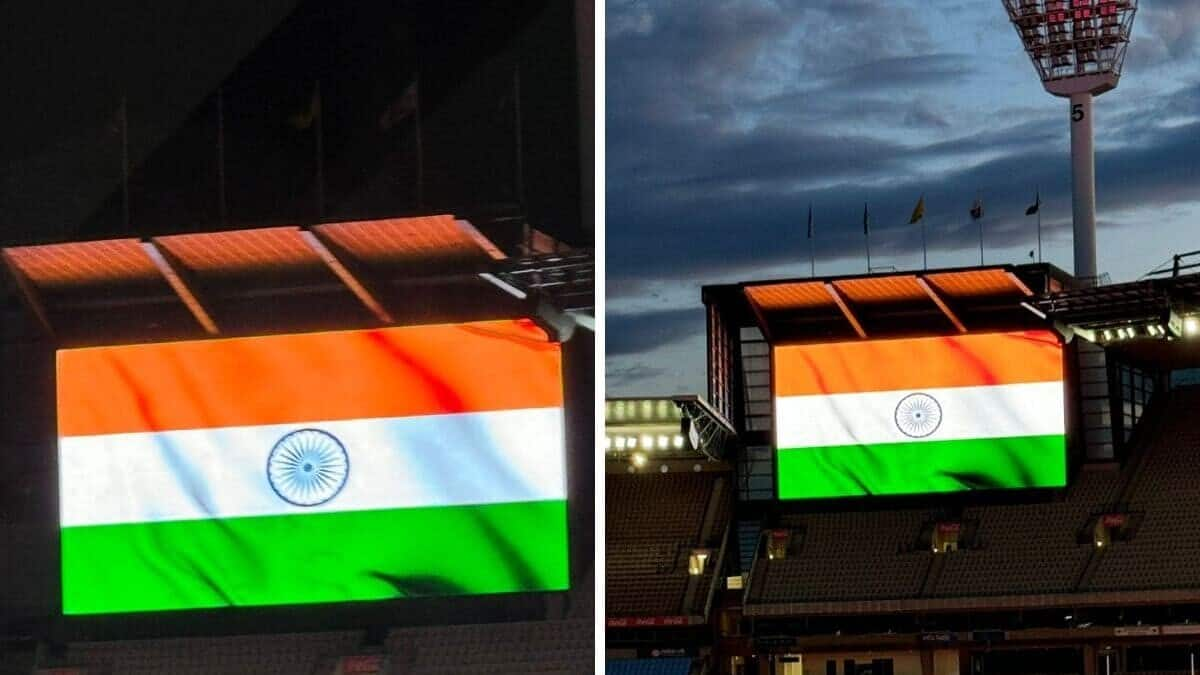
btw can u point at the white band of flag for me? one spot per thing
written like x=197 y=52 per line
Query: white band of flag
x=868 y=418
x=434 y=460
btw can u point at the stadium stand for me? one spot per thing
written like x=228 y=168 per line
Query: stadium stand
x=243 y=654
x=647 y=558
x=548 y=647
x=1019 y=549
x=1028 y=548
x=664 y=666
x=845 y=556
x=562 y=647
x=1163 y=552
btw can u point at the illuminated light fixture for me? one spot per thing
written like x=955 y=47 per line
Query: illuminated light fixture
x=697 y=561
x=647 y=442
x=664 y=468
x=638 y=460
x=631 y=442
x=777 y=544
x=1034 y=310
x=663 y=442
x=620 y=442
x=1077 y=51
x=1191 y=326
x=608 y=442
x=503 y=285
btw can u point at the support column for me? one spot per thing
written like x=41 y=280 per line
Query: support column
x=1083 y=184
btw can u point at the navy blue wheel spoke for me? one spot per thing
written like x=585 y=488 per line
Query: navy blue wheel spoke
x=308 y=467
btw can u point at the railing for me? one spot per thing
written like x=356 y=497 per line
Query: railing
x=1178 y=264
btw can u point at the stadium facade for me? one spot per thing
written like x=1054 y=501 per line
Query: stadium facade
x=1045 y=422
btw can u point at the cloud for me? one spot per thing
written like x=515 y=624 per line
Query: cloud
x=643 y=331
x=728 y=119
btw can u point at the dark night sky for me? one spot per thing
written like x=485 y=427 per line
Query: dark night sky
x=727 y=119
x=64 y=66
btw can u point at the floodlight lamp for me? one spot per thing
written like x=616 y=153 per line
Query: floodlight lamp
x=1076 y=46
x=1191 y=326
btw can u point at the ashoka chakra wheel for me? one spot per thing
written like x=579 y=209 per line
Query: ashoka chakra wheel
x=918 y=415
x=308 y=467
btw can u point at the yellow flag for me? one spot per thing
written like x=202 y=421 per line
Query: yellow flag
x=918 y=211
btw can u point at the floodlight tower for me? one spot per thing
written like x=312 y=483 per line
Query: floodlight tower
x=1077 y=48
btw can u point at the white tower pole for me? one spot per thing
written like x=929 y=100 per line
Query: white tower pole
x=1083 y=184
x=1077 y=48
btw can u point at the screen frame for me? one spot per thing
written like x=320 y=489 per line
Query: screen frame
x=347 y=615
x=1070 y=404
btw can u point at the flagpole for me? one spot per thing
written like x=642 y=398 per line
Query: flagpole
x=981 y=241
x=924 y=248
x=868 y=251
x=1039 y=226
x=420 y=147
x=125 y=158
x=867 y=233
x=317 y=130
x=221 y=205
x=519 y=136
x=812 y=257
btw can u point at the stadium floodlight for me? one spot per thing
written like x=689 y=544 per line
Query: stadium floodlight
x=1077 y=48
x=1191 y=326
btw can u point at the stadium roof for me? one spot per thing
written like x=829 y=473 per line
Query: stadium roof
x=1139 y=320
x=888 y=305
x=188 y=279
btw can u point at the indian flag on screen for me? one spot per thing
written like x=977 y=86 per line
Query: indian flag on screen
x=317 y=468
x=910 y=416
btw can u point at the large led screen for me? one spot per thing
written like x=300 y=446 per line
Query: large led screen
x=911 y=416
x=318 y=468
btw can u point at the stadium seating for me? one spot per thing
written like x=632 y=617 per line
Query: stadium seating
x=1018 y=549
x=234 y=655
x=646 y=558
x=845 y=556
x=1164 y=549
x=543 y=647
x=668 y=666
x=1028 y=548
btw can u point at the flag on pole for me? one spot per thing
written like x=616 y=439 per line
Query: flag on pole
x=977 y=208
x=313 y=468
x=1037 y=204
x=810 y=222
x=866 y=219
x=918 y=211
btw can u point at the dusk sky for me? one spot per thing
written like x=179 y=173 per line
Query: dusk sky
x=726 y=119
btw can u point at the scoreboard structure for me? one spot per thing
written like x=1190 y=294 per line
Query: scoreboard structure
x=302 y=428
x=900 y=384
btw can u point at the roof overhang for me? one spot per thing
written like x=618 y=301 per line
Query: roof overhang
x=361 y=273
x=932 y=302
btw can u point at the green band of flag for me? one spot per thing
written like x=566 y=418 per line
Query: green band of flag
x=315 y=558
x=923 y=467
